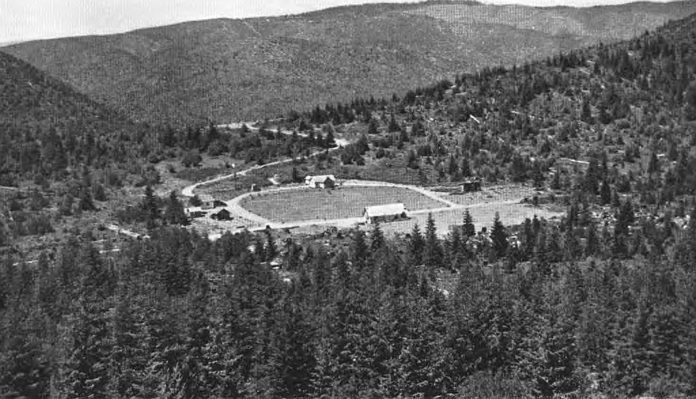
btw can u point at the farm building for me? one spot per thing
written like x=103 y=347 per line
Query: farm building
x=327 y=181
x=207 y=201
x=384 y=213
x=222 y=215
x=471 y=186
x=195 y=214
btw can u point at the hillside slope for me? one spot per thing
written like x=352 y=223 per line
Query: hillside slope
x=238 y=69
x=46 y=126
x=629 y=106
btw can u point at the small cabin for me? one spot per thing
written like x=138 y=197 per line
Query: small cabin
x=326 y=181
x=196 y=214
x=222 y=215
x=471 y=186
x=207 y=201
x=384 y=213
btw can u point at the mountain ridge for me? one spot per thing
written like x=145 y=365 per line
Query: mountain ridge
x=232 y=69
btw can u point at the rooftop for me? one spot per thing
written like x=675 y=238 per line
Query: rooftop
x=320 y=178
x=385 y=210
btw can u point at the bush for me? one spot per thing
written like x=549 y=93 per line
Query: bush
x=195 y=201
x=191 y=158
x=37 y=225
x=486 y=385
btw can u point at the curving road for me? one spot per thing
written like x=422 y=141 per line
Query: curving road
x=258 y=222
x=188 y=191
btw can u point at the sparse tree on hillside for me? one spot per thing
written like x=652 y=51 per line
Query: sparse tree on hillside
x=393 y=125
x=468 y=227
x=373 y=127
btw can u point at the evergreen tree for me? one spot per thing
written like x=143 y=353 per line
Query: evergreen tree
x=393 y=125
x=499 y=237
x=592 y=177
x=416 y=246
x=360 y=250
x=433 y=256
x=293 y=352
x=150 y=207
x=128 y=358
x=296 y=178
x=654 y=165
x=373 y=127
x=378 y=241
x=24 y=364
x=271 y=247
x=586 y=114
x=454 y=245
x=192 y=376
x=86 y=201
x=592 y=245
x=605 y=193
x=468 y=229
x=330 y=140
x=174 y=213
x=86 y=371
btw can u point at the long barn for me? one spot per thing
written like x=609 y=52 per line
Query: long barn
x=384 y=213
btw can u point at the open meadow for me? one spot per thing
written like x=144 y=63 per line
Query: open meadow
x=346 y=202
x=483 y=215
x=497 y=193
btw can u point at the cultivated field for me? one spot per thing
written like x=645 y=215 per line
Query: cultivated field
x=345 y=202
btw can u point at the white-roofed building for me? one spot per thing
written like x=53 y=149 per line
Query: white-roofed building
x=325 y=181
x=207 y=201
x=384 y=213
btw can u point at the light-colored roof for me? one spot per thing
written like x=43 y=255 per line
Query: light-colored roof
x=385 y=210
x=206 y=198
x=572 y=161
x=320 y=179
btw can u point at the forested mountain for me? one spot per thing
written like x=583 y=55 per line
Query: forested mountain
x=47 y=128
x=228 y=70
x=601 y=304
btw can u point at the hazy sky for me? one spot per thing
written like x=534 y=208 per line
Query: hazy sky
x=33 y=19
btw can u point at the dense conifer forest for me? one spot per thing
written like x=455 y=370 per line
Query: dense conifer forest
x=599 y=305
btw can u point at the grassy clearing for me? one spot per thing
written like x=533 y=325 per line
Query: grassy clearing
x=510 y=214
x=230 y=188
x=345 y=202
x=493 y=194
x=392 y=170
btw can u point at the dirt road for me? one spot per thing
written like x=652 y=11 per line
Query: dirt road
x=189 y=190
x=256 y=222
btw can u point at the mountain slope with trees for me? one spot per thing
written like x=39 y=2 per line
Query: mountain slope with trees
x=226 y=70
x=601 y=304
x=47 y=128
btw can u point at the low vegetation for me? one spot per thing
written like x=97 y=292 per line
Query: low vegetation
x=341 y=203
